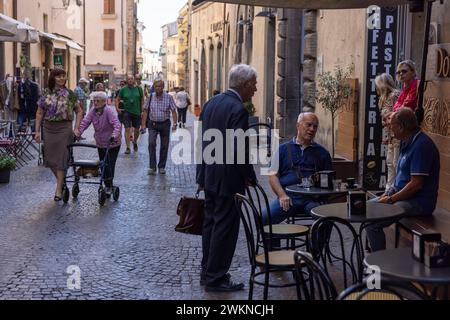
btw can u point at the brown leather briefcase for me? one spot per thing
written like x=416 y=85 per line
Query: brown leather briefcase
x=191 y=212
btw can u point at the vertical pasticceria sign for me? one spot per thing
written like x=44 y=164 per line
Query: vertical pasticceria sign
x=381 y=58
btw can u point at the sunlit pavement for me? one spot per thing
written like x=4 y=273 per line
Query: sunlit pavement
x=125 y=250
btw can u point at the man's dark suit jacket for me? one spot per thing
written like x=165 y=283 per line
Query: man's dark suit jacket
x=30 y=91
x=222 y=112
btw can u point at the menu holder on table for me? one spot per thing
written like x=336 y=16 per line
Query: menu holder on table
x=356 y=203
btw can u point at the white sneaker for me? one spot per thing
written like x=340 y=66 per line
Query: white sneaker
x=162 y=171
x=151 y=172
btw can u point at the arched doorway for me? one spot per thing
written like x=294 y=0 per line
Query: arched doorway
x=203 y=78
x=211 y=71
x=196 y=81
x=219 y=67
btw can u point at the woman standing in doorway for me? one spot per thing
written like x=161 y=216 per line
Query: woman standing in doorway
x=388 y=93
x=407 y=75
x=56 y=107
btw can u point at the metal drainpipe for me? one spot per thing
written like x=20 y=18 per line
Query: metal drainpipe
x=84 y=33
x=14 y=43
x=420 y=110
x=135 y=39
x=121 y=28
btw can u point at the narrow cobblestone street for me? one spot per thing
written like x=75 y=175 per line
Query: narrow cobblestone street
x=125 y=250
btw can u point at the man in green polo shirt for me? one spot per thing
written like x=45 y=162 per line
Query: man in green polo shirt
x=132 y=99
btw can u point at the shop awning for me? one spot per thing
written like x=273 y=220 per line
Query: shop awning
x=12 y=30
x=58 y=42
x=74 y=45
x=7 y=28
x=312 y=4
x=61 y=42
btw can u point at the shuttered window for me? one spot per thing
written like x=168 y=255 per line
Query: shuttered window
x=109 y=6
x=109 y=37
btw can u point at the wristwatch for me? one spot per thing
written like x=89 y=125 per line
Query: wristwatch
x=390 y=201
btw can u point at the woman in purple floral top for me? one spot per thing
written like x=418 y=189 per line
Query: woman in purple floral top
x=56 y=110
x=108 y=131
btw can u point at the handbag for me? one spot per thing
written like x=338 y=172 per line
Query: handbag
x=191 y=213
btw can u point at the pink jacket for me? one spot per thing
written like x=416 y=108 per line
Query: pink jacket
x=106 y=126
x=408 y=97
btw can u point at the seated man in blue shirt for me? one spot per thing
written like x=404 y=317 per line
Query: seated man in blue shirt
x=299 y=158
x=417 y=180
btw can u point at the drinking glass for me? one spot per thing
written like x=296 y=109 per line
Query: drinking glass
x=337 y=184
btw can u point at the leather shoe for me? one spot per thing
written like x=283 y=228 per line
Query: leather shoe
x=203 y=280
x=225 y=286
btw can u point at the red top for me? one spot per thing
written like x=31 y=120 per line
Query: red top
x=408 y=97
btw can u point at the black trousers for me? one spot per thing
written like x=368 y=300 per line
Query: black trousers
x=110 y=168
x=220 y=234
x=163 y=129
x=182 y=113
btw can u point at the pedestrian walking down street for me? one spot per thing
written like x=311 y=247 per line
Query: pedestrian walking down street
x=29 y=94
x=183 y=101
x=107 y=134
x=156 y=117
x=221 y=180
x=82 y=93
x=132 y=98
x=119 y=106
x=56 y=108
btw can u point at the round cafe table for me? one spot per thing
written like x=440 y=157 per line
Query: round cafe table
x=399 y=264
x=315 y=192
x=375 y=213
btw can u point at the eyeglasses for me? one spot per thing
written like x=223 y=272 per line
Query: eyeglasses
x=402 y=71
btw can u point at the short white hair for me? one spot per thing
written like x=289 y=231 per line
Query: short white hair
x=99 y=95
x=302 y=116
x=240 y=74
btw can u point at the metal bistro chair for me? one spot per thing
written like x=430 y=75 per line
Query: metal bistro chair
x=269 y=261
x=10 y=144
x=265 y=135
x=335 y=240
x=388 y=290
x=289 y=232
x=318 y=285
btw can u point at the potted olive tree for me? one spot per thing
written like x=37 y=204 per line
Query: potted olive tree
x=250 y=107
x=333 y=90
x=7 y=163
x=333 y=93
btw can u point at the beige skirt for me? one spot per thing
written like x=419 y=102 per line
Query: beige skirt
x=57 y=136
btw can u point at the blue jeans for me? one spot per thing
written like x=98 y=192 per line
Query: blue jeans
x=300 y=204
x=375 y=233
x=23 y=117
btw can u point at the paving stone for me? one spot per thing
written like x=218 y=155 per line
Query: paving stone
x=125 y=250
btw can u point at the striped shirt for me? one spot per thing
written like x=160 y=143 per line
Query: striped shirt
x=160 y=108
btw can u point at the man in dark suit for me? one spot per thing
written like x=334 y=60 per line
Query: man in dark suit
x=221 y=178
x=28 y=98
